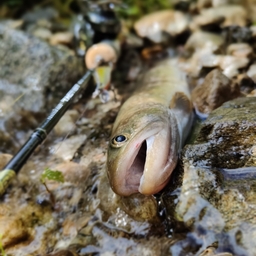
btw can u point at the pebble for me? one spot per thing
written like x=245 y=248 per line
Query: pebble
x=65 y=38
x=66 y=149
x=252 y=72
x=201 y=40
x=4 y=159
x=224 y=15
x=240 y=50
x=153 y=24
x=214 y=91
x=67 y=123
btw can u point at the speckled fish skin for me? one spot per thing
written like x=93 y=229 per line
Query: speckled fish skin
x=153 y=122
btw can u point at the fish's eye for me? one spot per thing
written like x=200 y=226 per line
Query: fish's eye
x=119 y=140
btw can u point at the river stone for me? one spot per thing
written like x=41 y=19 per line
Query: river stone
x=214 y=91
x=227 y=137
x=216 y=193
x=33 y=74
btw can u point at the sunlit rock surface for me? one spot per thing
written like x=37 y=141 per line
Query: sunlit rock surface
x=217 y=196
x=214 y=91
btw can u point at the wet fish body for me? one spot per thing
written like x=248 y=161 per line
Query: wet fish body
x=149 y=132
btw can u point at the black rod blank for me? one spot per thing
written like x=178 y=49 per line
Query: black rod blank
x=40 y=133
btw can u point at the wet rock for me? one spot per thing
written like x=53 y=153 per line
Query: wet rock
x=66 y=149
x=62 y=253
x=217 y=195
x=237 y=34
x=73 y=173
x=203 y=4
x=252 y=93
x=14 y=230
x=31 y=67
x=226 y=138
x=252 y=72
x=231 y=64
x=224 y=15
x=4 y=159
x=153 y=25
x=213 y=92
x=67 y=123
x=31 y=224
x=42 y=33
x=240 y=50
x=65 y=38
x=47 y=13
x=204 y=40
x=228 y=63
x=211 y=251
x=141 y=207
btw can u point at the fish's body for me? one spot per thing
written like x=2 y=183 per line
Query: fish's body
x=149 y=132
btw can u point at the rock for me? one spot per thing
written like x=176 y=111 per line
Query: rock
x=47 y=13
x=14 y=230
x=67 y=123
x=224 y=15
x=42 y=33
x=73 y=173
x=153 y=25
x=4 y=159
x=217 y=196
x=252 y=72
x=31 y=224
x=62 y=253
x=214 y=91
x=201 y=40
x=240 y=50
x=30 y=66
x=246 y=83
x=237 y=34
x=226 y=138
x=203 y=58
x=65 y=38
x=66 y=149
x=231 y=64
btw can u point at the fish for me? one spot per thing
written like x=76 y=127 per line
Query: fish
x=149 y=132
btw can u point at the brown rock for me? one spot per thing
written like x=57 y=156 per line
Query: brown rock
x=4 y=159
x=213 y=92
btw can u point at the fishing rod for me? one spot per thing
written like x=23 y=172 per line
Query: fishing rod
x=106 y=25
x=39 y=135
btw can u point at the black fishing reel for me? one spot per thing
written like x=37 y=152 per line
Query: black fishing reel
x=98 y=22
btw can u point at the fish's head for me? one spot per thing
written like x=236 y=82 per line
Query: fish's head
x=141 y=154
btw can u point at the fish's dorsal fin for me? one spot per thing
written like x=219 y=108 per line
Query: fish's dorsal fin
x=182 y=107
x=181 y=102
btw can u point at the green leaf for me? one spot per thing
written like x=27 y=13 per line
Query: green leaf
x=52 y=175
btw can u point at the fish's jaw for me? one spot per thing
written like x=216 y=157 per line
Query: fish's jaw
x=157 y=170
x=126 y=164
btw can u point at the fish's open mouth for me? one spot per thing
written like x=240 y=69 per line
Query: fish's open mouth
x=135 y=172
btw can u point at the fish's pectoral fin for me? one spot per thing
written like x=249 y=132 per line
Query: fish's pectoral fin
x=181 y=102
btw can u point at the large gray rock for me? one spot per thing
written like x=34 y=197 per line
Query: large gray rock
x=34 y=76
x=215 y=196
x=227 y=138
x=33 y=71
